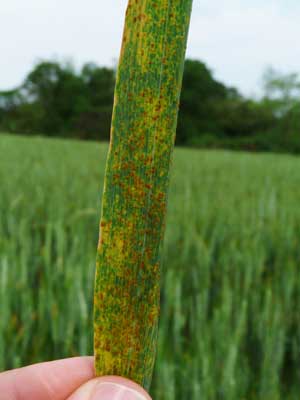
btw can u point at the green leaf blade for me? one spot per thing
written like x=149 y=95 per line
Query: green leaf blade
x=136 y=185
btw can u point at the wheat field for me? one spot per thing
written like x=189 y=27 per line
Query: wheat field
x=230 y=320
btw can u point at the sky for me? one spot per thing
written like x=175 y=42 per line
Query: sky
x=237 y=39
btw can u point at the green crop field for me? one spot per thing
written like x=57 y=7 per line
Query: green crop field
x=230 y=319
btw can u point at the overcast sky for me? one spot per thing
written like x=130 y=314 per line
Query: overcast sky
x=238 y=39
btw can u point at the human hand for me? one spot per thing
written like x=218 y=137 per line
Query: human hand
x=69 y=379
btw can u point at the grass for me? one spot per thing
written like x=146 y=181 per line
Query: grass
x=230 y=321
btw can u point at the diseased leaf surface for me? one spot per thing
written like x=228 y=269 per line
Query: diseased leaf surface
x=135 y=190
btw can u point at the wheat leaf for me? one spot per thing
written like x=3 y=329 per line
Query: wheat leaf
x=148 y=86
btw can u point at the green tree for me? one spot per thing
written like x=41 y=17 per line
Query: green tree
x=57 y=100
x=200 y=92
x=94 y=121
x=58 y=95
x=239 y=117
x=281 y=91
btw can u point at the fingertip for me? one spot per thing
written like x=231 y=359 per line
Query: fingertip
x=54 y=380
x=110 y=388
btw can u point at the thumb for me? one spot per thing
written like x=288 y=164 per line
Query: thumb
x=110 y=388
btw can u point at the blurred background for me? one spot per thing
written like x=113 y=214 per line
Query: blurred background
x=230 y=322
x=241 y=86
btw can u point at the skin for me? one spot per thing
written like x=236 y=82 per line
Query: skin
x=55 y=380
x=72 y=378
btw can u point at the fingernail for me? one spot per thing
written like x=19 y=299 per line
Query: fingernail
x=115 y=391
x=110 y=388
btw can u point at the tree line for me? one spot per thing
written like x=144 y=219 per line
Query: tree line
x=57 y=100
